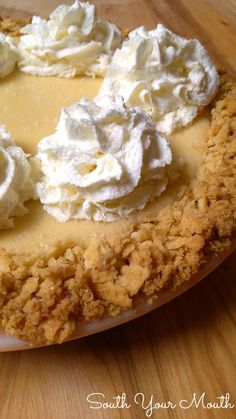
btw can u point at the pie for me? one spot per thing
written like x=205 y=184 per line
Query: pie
x=52 y=273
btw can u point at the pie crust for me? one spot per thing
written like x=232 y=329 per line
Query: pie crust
x=11 y=26
x=42 y=296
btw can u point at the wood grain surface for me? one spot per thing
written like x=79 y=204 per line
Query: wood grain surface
x=185 y=347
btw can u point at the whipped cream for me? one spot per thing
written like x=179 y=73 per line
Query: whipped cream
x=17 y=183
x=103 y=162
x=8 y=55
x=170 y=77
x=73 y=41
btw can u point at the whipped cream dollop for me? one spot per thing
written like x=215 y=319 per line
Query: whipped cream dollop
x=73 y=41
x=8 y=55
x=17 y=181
x=170 y=77
x=103 y=162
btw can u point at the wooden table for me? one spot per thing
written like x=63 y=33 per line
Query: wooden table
x=187 y=346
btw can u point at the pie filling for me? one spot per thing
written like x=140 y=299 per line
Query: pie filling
x=36 y=104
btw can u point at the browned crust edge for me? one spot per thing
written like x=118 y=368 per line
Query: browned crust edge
x=11 y=26
x=42 y=297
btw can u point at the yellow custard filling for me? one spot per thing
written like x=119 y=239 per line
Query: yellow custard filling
x=30 y=108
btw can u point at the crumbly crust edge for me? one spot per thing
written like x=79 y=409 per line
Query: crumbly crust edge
x=11 y=26
x=42 y=297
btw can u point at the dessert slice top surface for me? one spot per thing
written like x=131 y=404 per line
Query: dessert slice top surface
x=30 y=107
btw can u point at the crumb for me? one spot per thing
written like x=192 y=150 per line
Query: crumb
x=11 y=26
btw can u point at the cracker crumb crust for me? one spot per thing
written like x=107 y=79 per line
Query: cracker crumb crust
x=42 y=297
x=11 y=26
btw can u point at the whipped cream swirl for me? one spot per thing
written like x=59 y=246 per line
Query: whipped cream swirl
x=8 y=55
x=73 y=41
x=168 y=76
x=103 y=162
x=17 y=183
